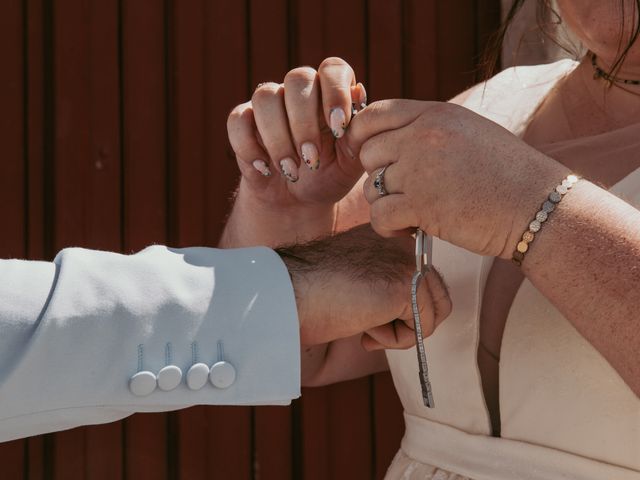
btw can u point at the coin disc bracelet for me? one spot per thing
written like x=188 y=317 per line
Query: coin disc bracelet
x=548 y=206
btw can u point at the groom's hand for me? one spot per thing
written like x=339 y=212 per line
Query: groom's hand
x=359 y=282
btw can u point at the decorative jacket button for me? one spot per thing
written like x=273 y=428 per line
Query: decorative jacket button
x=143 y=383
x=169 y=377
x=197 y=376
x=222 y=374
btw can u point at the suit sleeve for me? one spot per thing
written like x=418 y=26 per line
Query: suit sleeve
x=73 y=333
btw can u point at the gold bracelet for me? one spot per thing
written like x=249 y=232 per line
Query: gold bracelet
x=547 y=207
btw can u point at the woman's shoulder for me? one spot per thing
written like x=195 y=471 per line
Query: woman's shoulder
x=510 y=97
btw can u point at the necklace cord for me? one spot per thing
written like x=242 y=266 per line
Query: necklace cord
x=600 y=73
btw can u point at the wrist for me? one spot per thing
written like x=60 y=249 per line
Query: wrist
x=300 y=284
x=253 y=221
x=543 y=176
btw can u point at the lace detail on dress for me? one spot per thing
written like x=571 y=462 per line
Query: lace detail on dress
x=406 y=468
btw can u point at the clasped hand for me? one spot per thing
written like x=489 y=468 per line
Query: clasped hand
x=450 y=172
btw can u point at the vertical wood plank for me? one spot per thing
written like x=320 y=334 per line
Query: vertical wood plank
x=87 y=175
x=12 y=179
x=146 y=455
x=68 y=454
x=227 y=85
x=272 y=458
x=12 y=455
x=35 y=86
x=385 y=49
x=421 y=49
x=104 y=452
x=456 y=39
x=144 y=120
x=307 y=32
x=186 y=192
x=350 y=430
x=145 y=446
x=35 y=466
x=269 y=41
x=72 y=134
x=388 y=422
x=316 y=436
x=345 y=34
x=12 y=172
x=229 y=443
x=186 y=119
x=102 y=220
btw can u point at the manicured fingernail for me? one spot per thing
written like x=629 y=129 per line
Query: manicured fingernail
x=310 y=155
x=337 y=122
x=363 y=96
x=289 y=169
x=262 y=167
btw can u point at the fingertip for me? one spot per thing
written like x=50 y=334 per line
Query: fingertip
x=338 y=122
x=262 y=167
x=360 y=96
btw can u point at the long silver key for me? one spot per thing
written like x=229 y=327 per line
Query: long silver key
x=423 y=264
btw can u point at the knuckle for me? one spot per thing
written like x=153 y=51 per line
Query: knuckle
x=332 y=62
x=237 y=116
x=265 y=91
x=300 y=75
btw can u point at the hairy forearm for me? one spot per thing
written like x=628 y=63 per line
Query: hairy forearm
x=586 y=261
x=252 y=223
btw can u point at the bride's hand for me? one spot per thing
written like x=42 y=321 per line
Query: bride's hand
x=288 y=145
x=451 y=172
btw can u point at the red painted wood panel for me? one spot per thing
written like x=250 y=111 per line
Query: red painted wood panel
x=421 y=28
x=12 y=174
x=144 y=158
x=114 y=137
x=35 y=134
x=269 y=61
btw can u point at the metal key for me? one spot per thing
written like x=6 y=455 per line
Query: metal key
x=424 y=245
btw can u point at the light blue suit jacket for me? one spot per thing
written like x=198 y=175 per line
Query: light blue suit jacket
x=74 y=331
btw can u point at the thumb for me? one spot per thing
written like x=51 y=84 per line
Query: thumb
x=380 y=117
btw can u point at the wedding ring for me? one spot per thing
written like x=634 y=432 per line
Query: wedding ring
x=378 y=182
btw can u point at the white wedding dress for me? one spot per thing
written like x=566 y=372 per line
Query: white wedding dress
x=566 y=413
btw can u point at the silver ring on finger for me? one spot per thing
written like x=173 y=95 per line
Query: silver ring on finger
x=378 y=182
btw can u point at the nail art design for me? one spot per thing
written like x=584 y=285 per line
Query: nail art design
x=360 y=102
x=337 y=122
x=262 y=167
x=310 y=155
x=289 y=169
x=363 y=96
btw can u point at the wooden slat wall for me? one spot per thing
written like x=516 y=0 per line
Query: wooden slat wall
x=113 y=136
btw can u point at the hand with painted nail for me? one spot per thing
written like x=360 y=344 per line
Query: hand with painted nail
x=290 y=150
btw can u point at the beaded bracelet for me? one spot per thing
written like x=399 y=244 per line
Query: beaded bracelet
x=547 y=207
